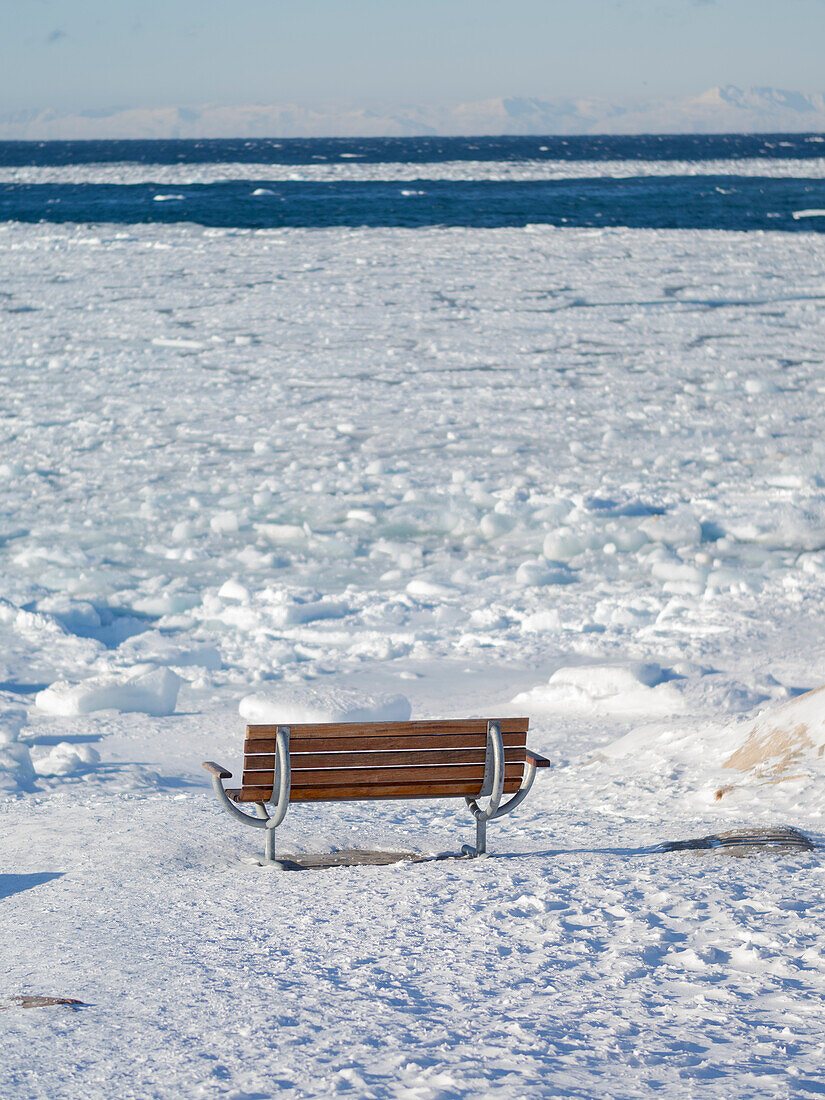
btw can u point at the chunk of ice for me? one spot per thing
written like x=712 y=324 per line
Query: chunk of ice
x=538 y=573
x=224 y=523
x=144 y=690
x=66 y=759
x=562 y=545
x=234 y=590
x=495 y=524
x=677 y=528
x=16 y=769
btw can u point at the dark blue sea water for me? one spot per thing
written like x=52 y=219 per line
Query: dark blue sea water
x=419 y=150
x=658 y=202
x=671 y=202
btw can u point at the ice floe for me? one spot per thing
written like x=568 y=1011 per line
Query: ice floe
x=144 y=689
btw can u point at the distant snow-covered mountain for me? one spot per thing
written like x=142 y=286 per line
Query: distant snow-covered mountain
x=729 y=110
x=719 y=110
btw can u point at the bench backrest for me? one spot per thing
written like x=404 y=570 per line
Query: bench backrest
x=382 y=759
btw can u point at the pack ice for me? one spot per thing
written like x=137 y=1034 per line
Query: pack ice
x=349 y=474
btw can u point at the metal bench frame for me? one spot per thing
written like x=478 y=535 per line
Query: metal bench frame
x=492 y=787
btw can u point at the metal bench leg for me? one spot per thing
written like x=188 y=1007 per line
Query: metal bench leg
x=269 y=846
x=481 y=836
x=281 y=789
x=492 y=785
x=283 y=786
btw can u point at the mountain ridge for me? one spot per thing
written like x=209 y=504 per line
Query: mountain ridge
x=721 y=109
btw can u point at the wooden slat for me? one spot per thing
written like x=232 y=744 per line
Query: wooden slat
x=384 y=743
x=370 y=777
x=266 y=761
x=412 y=790
x=347 y=794
x=424 y=728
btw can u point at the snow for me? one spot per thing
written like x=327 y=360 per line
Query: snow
x=721 y=109
x=613 y=688
x=307 y=704
x=784 y=739
x=571 y=473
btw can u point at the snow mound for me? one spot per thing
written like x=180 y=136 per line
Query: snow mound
x=66 y=759
x=12 y=720
x=298 y=704
x=785 y=742
x=785 y=738
x=632 y=688
x=144 y=689
x=16 y=770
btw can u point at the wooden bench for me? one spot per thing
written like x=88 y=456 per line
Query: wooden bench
x=471 y=758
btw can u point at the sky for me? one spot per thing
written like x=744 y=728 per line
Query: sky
x=98 y=54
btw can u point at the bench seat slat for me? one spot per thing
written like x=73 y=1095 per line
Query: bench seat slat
x=384 y=743
x=388 y=729
x=346 y=794
x=370 y=777
x=306 y=760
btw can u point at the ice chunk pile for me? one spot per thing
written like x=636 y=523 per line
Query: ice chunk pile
x=637 y=480
x=143 y=689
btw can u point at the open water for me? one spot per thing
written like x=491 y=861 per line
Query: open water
x=668 y=201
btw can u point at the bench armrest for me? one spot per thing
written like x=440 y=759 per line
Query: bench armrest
x=538 y=761
x=216 y=770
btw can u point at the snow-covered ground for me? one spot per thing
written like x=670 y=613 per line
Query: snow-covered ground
x=576 y=474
